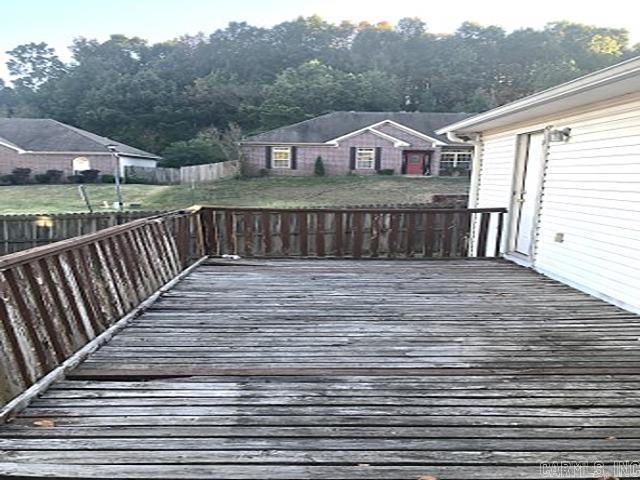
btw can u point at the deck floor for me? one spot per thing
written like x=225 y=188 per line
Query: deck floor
x=342 y=370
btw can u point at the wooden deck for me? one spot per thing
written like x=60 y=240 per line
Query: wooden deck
x=341 y=370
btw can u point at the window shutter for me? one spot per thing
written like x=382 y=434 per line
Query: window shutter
x=378 y=160
x=352 y=158
x=294 y=158
x=267 y=157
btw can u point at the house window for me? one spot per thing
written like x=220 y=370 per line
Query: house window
x=365 y=158
x=281 y=157
x=80 y=164
x=455 y=162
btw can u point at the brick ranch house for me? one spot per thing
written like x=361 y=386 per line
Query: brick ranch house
x=42 y=144
x=402 y=143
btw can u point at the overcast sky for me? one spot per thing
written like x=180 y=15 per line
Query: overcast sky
x=58 y=22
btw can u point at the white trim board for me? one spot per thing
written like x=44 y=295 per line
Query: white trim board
x=396 y=141
x=411 y=131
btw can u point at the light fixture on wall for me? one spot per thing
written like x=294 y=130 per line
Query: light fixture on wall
x=559 y=135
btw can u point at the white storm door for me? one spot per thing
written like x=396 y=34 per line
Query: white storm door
x=528 y=192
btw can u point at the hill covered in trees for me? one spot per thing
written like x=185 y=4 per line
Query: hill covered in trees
x=179 y=97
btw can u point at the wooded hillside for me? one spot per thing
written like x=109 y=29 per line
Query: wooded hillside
x=167 y=97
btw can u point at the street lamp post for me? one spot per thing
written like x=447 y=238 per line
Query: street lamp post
x=116 y=155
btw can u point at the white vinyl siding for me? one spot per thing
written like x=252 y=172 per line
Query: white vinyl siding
x=590 y=195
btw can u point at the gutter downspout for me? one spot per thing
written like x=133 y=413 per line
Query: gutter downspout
x=474 y=139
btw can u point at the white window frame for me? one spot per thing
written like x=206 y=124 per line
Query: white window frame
x=365 y=151
x=456 y=154
x=274 y=160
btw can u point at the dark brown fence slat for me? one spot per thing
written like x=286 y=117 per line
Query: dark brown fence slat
x=59 y=310
x=374 y=241
x=303 y=233
x=320 y=226
x=285 y=232
x=394 y=233
x=229 y=231
x=410 y=234
x=448 y=226
x=429 y=234
x=358 y=220
x=19 y=355
x=247 y=229
x=45 y=313
x=71 y=300
x=266 y=232
x=338 y=234
x=43 y=356
x=483 y=234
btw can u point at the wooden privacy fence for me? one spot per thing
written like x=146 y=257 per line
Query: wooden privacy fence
x=20 y=232
x=354 y=233
x=56 y=298
x=193 y=174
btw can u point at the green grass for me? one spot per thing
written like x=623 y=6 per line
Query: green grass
x=255 y=192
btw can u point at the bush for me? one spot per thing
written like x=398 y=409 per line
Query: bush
x=50 y=176
x=106 y=178
x=318 y=168
x=20 y=176
x=90 y=176
x=386 y=171
x=264 y=172
x=74 y=178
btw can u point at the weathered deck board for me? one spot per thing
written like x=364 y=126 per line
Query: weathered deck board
x=467 y=369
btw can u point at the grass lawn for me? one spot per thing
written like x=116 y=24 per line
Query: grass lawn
x=255 y=192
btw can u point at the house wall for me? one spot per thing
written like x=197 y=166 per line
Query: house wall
x=336 y=159
x=40 y=163
x=590 y=193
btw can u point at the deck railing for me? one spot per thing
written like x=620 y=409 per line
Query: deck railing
x=352 y=233
x=57 y=298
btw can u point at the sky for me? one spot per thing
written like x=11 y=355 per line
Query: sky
x=58 y=22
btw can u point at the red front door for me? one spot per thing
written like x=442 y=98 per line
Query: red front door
x=415 y=163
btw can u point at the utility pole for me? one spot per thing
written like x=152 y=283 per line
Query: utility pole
x=116 y=155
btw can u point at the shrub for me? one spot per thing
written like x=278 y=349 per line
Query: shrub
x=55 y=176
x=386 y=171
x=106 y=178
x=74 y=178
x=50 y=176
x=318 y=168
x=90 y=176
x=20 y=176
x=264 y=172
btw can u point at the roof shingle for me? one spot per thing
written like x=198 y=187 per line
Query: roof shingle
x=332 y=125
x=47 y=135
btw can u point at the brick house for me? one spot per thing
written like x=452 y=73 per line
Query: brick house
x=42 y=144
x=404 y=143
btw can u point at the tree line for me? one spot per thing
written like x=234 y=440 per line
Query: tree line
x=180 y=97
